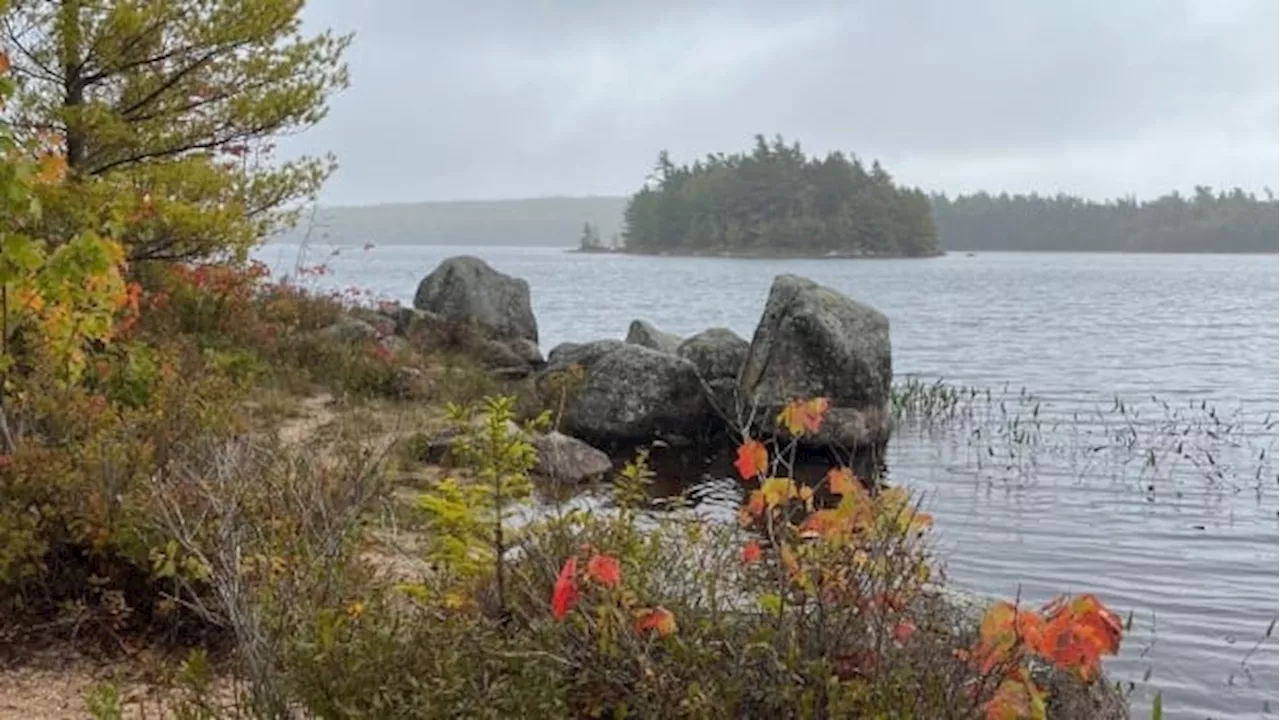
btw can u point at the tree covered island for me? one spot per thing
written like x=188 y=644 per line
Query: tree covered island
x=778 y=202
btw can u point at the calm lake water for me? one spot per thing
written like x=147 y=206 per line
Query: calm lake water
x=1139 y=462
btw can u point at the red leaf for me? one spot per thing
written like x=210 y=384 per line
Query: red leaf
x=659 y=619
x=565 y=593
x=604 y=570
x=753 y=459
x=750 y=552
x=903 y=631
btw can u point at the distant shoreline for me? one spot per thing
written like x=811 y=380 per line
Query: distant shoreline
x=758 y=255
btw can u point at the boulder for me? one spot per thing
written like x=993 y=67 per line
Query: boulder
x=815 y=342
x=528 y=352
x=385 y=324
x=465 y=290
x=717 y=353
x=419 y=326
x=635 y=393
x=566 y=459
x=646 y=335
x=349 y=330
x=584 y=354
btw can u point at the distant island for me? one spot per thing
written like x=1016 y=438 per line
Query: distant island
x=777 y=202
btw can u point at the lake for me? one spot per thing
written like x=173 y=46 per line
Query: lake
x=1128 y=448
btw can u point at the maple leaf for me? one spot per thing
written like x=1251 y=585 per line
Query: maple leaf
x=777 y=491
x=604 y=570
x=804 y=416
x=750 y=552
x=1005 y=630
x=659 y=620
x=1078 y=632
x=564 y=595
x=753 y=459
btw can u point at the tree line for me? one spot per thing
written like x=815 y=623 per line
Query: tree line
x=776 y=200
x=1225 y=222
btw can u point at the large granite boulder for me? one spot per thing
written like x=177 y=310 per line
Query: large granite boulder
x=465 y=289
x=466 y=302
x=584 y=354
x=646 y=335
x=717 y=353
x=633 y=394
x=566 y=459
x=815 y=342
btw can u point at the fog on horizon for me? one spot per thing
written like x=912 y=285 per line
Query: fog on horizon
x=502 y=99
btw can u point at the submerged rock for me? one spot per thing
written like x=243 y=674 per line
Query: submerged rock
x=815 y=342
x=646 y=335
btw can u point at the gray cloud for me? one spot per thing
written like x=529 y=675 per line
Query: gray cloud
x=513 y=99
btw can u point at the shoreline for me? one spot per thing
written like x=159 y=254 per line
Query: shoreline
x=728 y=255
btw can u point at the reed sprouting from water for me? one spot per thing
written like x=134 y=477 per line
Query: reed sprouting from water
x=1154 y=443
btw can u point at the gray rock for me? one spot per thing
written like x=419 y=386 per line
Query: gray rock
x=496 y=354
x=567 y=459
x=528 y=351
x=646 y=335
x=717 y=353
x=584 y=354
x=634 y=393
x=420 y=326
x=464 y=289
x=349 y=330
x=814 y=342
x=384 y=324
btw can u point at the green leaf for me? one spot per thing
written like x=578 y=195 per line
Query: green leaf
x=1157 y=707
x=770 y=603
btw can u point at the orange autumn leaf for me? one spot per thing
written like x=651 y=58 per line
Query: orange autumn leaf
x=1078 y=633
x=801 y=416
x=604 y=570
x=750 y=553
x=753 y=459
x=659 y=620
x=4 y=62
x=842 y=481
x=564 y=595
x=1004 y=631
x=823 y=523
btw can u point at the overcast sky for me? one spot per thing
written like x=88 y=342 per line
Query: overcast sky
x=521 y=98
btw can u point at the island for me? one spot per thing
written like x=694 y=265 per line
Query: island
x=776 y=201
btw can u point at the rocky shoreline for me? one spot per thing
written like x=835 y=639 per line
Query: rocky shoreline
x=704 y=390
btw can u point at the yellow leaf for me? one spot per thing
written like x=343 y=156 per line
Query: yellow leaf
x=777 y=491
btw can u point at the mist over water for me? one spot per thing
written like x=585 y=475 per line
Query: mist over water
x=1127 y=449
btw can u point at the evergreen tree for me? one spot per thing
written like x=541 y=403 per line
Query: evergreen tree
x=777 y=200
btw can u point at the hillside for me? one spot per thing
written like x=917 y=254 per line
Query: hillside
x=548 y=222
x=1228 y=222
